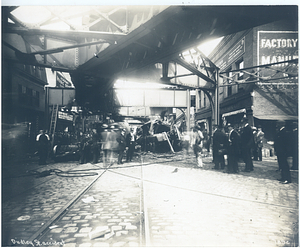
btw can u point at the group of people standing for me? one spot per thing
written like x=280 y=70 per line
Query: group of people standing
x=239 y=142
x=286 y=145
x=108 y=142
x=246 y=143
x=236 y=144
x=243 y=143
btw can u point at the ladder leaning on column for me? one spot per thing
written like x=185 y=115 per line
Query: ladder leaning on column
x=53 y=123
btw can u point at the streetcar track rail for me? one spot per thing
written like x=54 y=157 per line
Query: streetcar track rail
x=203 y=192
x=144 y=228
x=42 y=231
x=48 y=175
x=143 y=221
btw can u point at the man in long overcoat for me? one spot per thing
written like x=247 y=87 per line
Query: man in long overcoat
x=43 y=141
x=121 y=145
x=233 y=149
x=247 y=143
x=281 y=146
x=130 y=143
x=220 y=144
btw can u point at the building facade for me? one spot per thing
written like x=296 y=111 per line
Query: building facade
x=247 y=87
x=23 y=107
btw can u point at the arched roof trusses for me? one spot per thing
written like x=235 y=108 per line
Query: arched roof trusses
x=132 y=37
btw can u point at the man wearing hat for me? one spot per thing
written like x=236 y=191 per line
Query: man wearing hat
x=233 y=149
x=281 y=147
x=130 y=143
x=259 y=136
x=43 y=141
x=121 y=145
x=295 y=146
x=220 y=145
x=247 y=144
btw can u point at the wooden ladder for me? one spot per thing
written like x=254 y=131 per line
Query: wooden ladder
x=53 y=123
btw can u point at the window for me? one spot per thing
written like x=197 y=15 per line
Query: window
x=229 y=81
x=36 y=98
x=28 y=97
x=21 y=94
x=240 y=65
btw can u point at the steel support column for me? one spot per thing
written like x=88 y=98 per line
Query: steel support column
x=188 y=109
x=216 y=102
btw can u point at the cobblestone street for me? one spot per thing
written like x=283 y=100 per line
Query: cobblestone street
x=165 y=202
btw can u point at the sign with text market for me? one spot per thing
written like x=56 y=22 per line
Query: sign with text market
x=275 y=47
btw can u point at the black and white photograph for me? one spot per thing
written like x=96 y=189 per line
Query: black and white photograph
x=149 y=124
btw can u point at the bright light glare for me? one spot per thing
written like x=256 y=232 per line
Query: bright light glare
x=31 y=14
x=209 y=46
x=125 y=84
x=36 y=14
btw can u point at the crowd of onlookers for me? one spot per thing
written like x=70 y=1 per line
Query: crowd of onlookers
x=239 y=143
x=110 y=142
x=243 y=143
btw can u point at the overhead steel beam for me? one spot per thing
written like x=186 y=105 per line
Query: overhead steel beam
x=61 y=49
x=111 y=21
x=193 y=70
x=67 y=34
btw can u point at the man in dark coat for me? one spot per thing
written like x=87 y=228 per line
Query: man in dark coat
x=130 y=144
x=43 y=141
x=281 y=146
x=85 y=149
x=233 y=149
x=247 y=143
x=259 y=142
x=122 y=145
x=95 y=146
x=220 y=144
x=295 y=146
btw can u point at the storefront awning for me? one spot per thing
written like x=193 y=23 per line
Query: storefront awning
x=277 y=117
x=234 y=112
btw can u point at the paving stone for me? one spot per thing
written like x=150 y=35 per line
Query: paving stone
x=66 y=218
x=85 y=229
x=89 y=217
x=71 y=229
x=123 y=232
x=76 y=218
x=70 y=225
x=116 y=228
x=130 y=227
x=81 y=221
x=124 y=223
x=70 y=240
x=202 y=207
x=56 y=230
x=114 y=220
x=80 y=235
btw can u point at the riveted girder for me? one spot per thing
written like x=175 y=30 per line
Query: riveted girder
x=103 y=43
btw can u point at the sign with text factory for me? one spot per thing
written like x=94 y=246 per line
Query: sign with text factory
x=276 y=46
x=232 y=55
